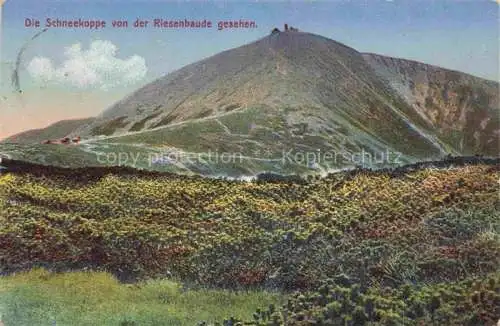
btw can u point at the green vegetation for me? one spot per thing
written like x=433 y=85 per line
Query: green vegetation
x=51 y=154
x=203 y=114
x=231 y=107
x=419 y=246
x=186 y=136
x=139 y=125
x=240 y=122
x=110 y=127
x=165 y=120
x=57 y=130
x=339 y=301
x=84 y=298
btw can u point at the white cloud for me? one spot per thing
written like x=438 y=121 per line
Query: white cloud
x=97 y=67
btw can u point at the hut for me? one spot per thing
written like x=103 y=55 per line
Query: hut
x=65 y=140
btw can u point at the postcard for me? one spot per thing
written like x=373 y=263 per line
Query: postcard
x=249 y=162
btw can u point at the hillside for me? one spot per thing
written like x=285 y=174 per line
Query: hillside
x=287 y=90
x=315 y=87
x=56 y=130
x=462 y=110
x=427 y=234
x=290 y=102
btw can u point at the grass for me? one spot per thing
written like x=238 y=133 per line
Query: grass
x=381 y=230
x=39 y=297
x=240 y=122
x=55 y=131
x=186 y=136
x=58 y=155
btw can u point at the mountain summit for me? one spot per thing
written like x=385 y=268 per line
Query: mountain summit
x=299 y=91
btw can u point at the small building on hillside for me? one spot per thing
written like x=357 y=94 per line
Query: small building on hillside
x=65 y=140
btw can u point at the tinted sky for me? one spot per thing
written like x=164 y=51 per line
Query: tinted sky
x=461 y=35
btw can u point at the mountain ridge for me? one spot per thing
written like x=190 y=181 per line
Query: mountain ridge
x=58 y=129
x=305 y=92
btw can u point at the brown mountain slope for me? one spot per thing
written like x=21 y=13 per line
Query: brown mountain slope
x=291 y=78
x=461 y=109
x=57 y=130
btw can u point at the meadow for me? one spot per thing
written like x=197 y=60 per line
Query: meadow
x=39 y=297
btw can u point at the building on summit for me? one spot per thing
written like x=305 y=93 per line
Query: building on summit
x=286 y=29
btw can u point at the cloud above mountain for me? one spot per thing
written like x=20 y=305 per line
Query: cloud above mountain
x=96 y=67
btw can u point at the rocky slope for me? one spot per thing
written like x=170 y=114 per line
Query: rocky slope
x=461 y=109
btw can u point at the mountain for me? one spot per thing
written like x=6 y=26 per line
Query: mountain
x=461 y=109
x=55 y=131
x=294 y=101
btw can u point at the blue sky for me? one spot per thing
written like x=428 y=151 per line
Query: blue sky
x=461 y=35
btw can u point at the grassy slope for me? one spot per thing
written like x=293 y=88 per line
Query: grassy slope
x=54 y=131
x=426 y=227
x=83 y=298
x=255 y=140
